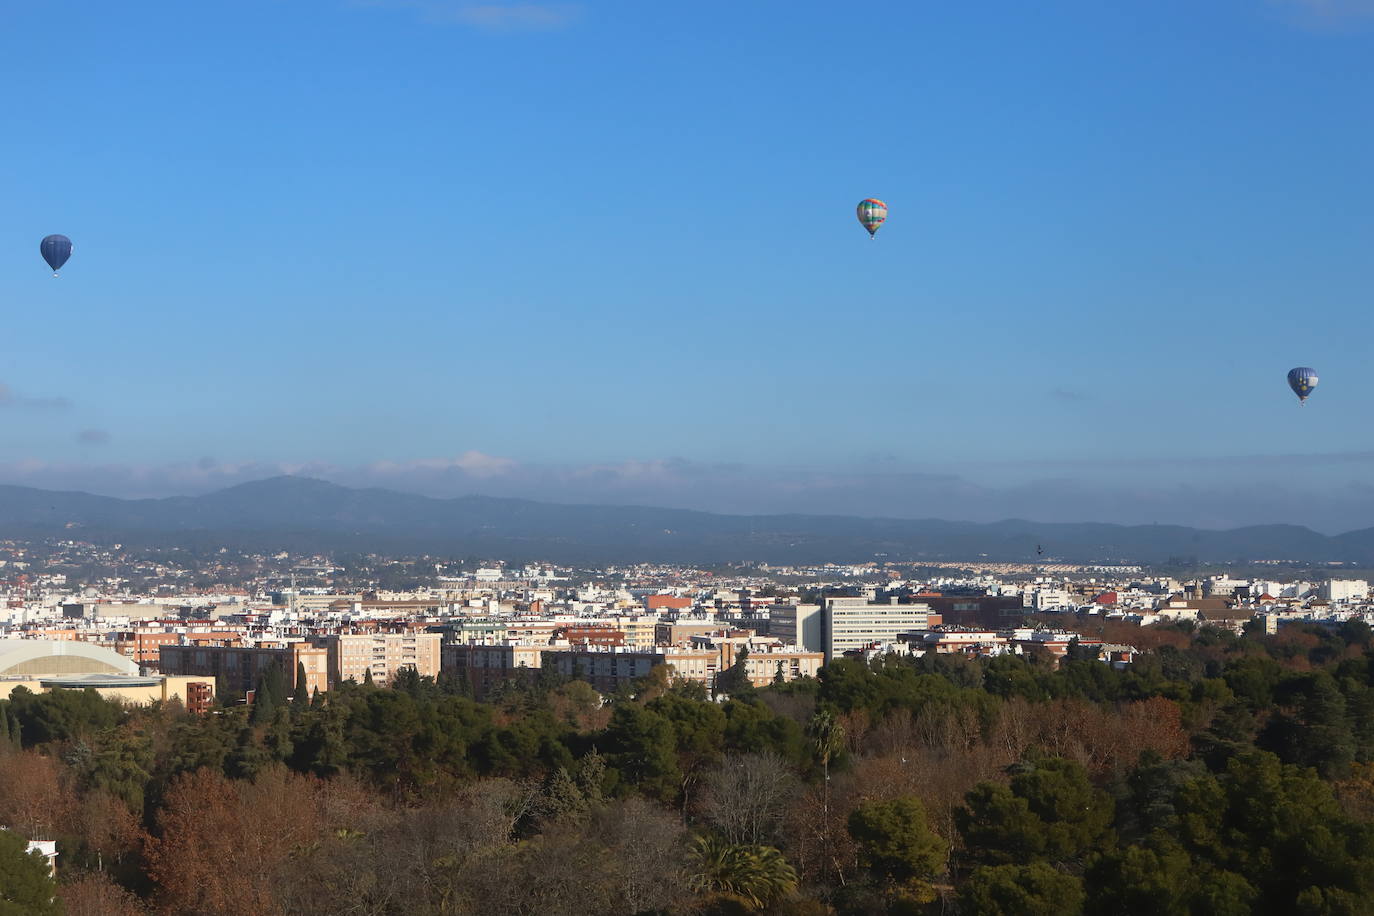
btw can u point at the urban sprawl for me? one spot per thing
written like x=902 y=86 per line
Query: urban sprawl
x=145 y=626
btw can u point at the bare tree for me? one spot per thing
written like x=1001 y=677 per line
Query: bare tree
x=645 y=846
x=746 y=797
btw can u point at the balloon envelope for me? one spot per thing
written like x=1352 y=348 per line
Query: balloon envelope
x=872 y=213
x=1302 y=380
x=55 y=250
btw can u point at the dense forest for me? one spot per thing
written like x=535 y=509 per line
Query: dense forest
x=1218 y=774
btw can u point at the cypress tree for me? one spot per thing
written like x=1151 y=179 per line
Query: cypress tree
x=300 y=700
x=270 y=694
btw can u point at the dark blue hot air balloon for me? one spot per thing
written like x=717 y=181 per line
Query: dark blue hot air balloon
x=55 y=250
x=1302 y=380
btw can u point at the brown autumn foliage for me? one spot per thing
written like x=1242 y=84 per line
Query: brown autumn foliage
x=108 y=828
x=35 y=797
x=1104 y=739
x=855 y=726
x=797 y=707
x=1119 y=632
x=939 y=778
x=224 y=844
x=94 y=894
x=625 y=859
x=1356 y=793
x=578 y=704
x=939 y=754
x=1294 y=644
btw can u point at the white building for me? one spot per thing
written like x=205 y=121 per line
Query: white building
x=852 y=623
x=1344 y=590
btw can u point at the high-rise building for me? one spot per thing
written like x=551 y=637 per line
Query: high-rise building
x=797 y=625
x=853 y=623
x=1345 y=589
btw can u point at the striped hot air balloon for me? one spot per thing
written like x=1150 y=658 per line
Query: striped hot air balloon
x=1302 y=380
x=872 y=213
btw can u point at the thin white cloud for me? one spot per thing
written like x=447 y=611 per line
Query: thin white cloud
x=471 y=463
x=9 y=398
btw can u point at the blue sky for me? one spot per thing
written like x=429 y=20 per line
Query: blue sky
x=503 y=247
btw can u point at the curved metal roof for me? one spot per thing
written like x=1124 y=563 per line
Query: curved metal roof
x=37 y=658
x=98 y=681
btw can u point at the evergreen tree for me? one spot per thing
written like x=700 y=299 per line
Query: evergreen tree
x=300 y=700
x=591 y=774
x=26 y=884
x=9 y=728
x=318 y=745
x=1023 y=890
x=269 y=695
x=642 y=748
x=1049 y=811
x=900 y=850
x=734 y=681
x=248 y=756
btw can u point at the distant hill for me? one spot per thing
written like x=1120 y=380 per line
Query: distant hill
x=301 y=513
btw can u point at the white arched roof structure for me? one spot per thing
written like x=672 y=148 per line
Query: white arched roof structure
x=35 y=658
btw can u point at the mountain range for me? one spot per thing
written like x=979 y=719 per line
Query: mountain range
x=303 y=513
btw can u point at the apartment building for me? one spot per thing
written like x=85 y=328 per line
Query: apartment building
x=240 y=666
x=680 y=632
x=789 y=661
x=608 y=669
x=473 y=630
x=638 y=630
x=145 y=646
x=483 y=667
x=383 y=655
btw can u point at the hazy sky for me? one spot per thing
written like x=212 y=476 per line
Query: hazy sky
x=608 y=250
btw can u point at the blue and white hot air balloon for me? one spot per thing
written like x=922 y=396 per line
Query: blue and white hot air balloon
x=1302 y=380
x=55 y=250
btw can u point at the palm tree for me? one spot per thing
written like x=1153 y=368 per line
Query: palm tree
x=827 y=740
x=753 y=875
